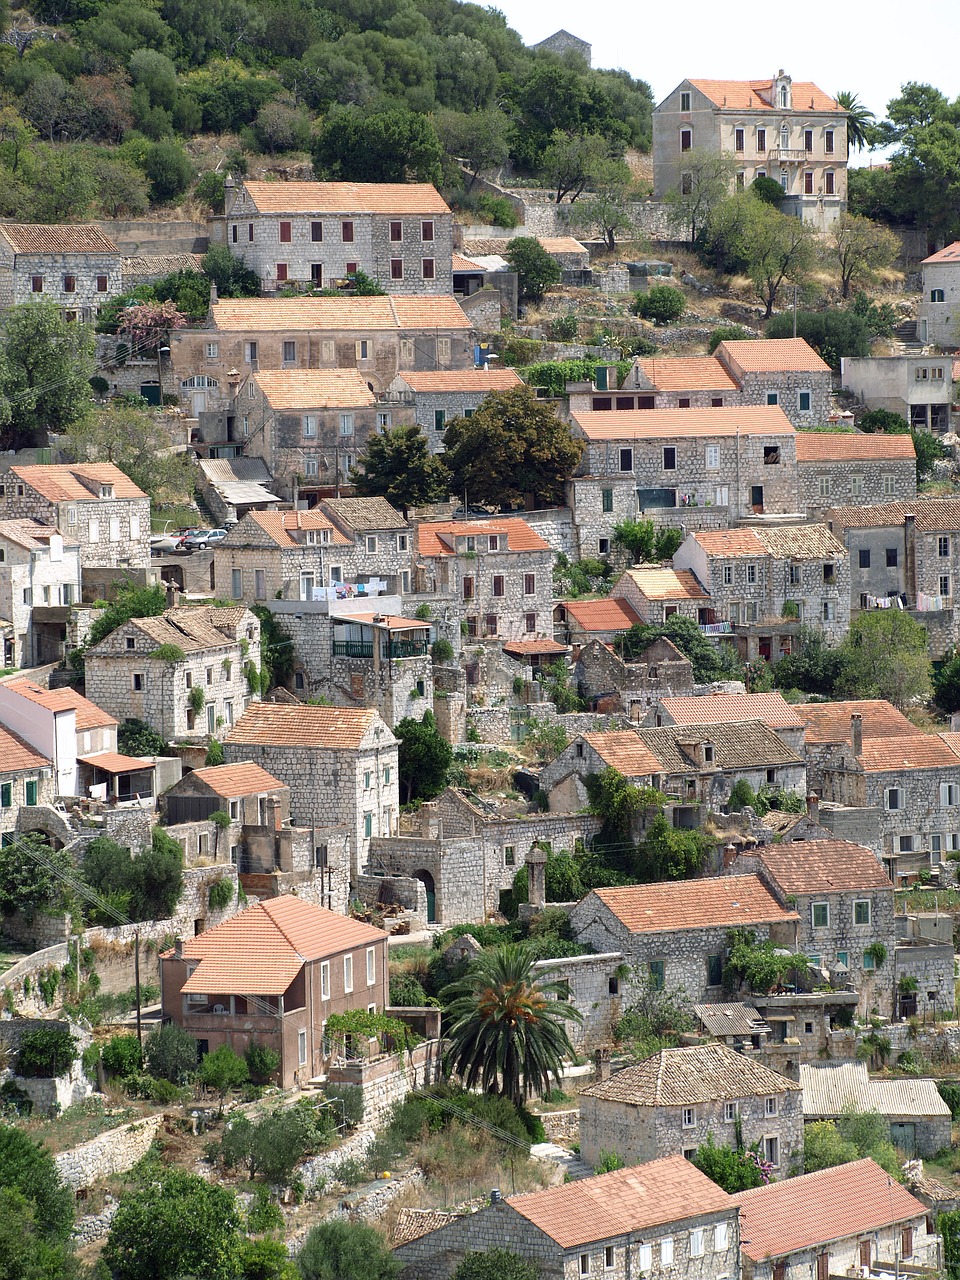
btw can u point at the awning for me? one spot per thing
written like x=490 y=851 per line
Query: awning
x=385 y=621
x=113 y=762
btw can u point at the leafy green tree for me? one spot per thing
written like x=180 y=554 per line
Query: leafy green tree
x=707 y=179
x=884 y=420
x=616 y=801
x=480 y=139
x=223 y=1070
x=924 y=170
x=397 y=465
x=780 y=249
x=174 y=1224
x=506 y=1025
x=709 y=662
x=661 y=304
x=853 y=1136
x=496 y=1264
x=168 y=170
x=884 y=655
x=171 y=1053
x=28 y=1169
x=230 y=274
x=759 y=965
x=729 y=1168
x=948 y=1226
x=341 y=1250
x=860 y=249
x=607 y=212
x=513 y=450
x=139 y=445
x=262 y=1062
x=425 y=757
x=832 y=334
x=46 y=1051
x=741 y=796
x=669 y=853
x=26 y=884
x=536 y=270
x=768 y=190
x=946 y=684
x=380 y=146
x=46 y=364
x=861 y=122
x=813 y=668
x=574 y=161
x=266 y=1259
x=136 y=738
x=929 y=450
x=24 y=1252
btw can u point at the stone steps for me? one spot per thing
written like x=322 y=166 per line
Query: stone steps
x=573 y=1167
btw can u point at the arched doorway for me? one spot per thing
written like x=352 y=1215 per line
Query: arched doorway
x=426 y=879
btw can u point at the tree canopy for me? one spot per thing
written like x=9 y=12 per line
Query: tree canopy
x=46 y=363
x=341 y=1250
x=884 y=655
x=424 y=758
x=536 y=270
x=397 y=465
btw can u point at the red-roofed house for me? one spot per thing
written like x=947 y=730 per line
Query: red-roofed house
x=657 y=1220
x=76 y=266
x=499 y=567
x=772 y=708
x=850 y=1219
x=39 y=580
x=26 y=778
x=789 y=131
x=274 y=974
x=839 y=467
x=61 y=724
x=583 y=620
x=440 y=395
x=938 y=314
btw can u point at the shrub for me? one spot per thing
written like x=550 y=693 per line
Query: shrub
x=609 y=1161
x=341 y=1250
x=220 y=894
x=565 y=328
x=122 y=1056
x=742 y=796
x=728 y=332
x=171 y=1053
x=46 y=1052
x=405 y=989
x=262 y=1061
x=661 y=304
x=441 y=650
x=497 y=211
x=170 y=653
x=264 y=1213
x=351 y=1096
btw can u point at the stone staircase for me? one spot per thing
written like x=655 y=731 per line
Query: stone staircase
x=906 y=332
x=573 y=1167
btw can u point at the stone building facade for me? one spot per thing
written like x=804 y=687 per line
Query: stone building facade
x=609 y=683
x=849 y=468
x=919 y=388
x=77 y=267
x=184 y=673
x=39 y=576
x=780 y=371
x=680 y=1098
x=438 y=396
x=938 y=316
x=790 y=132
x=311 y=235
x=93 y=503
x=26 y=778
x=655 y=594
x=271 y=555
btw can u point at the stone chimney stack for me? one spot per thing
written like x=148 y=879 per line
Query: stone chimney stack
x=729 y=855
x=813 y=807
x=536 y=861
x=910 y=558
x=856 y=733
x=601 y=1060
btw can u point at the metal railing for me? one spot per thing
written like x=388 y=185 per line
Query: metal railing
x=404 y=649
x=353 y=648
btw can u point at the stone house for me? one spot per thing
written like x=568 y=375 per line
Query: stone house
x=676 y=932
x=92 y=503
x=679 y=1098
x=919 y=1118
x=780 y=371
x=340 y=764
x=655 y=594
x=762 y=580
x=500 y=568
x=609 y=683
x=184 y=673
x=440 y=395
x=919 y=388
x=673 y=382
x=26 y=778
x=564 y=42
x=271 y=555
x=940 y=290
x=77 y=267
x=274 y=974
x=39 y=581
x=313 y=235
x=591 y=753
x=63 y=725
x=656 y=1219
x=673 y=464
x=790 y=132
x=721 y=708
x=382 y=543
x=835 y=1222
x=578 y=622
x=594 y=985
x=247 y=794
x=837 y=468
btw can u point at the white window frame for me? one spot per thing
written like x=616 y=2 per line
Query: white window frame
x=666 y=1251
x=609 y=1257
x=302 y=1047
x=893 y=799
x=324 y=979
x=721 y=1237
x=584 y=1264
x=771 y=1105
x=371 y=966
x=949 y=794
x=697 y=1249
x=645 y=1257
x=712 y=457
x=730 y=1112
x=688 y=1117
x=347 y=974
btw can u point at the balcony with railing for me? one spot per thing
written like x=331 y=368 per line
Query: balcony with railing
x=415 y=647
x=353 y=648
x=788 y=155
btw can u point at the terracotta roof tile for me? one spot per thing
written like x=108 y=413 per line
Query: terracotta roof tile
x=949 y=253
x=411 y=1224
x=625 y=751
x=32 y=535
x=17 y=755
x=339 y=314
x=801 y=542
x=714 y=708
x=905 y=751
x=667 y=584
x=602 y=615
x=773 y=355
x=329 y=728
x=303 y=389
x=953 y=742
x=89 y=715
x=730 y=542
x=823 y=866
x=453 y=380
x=628 y=1200
x=736 y=745
x=79 y=238
x=686 y=373
x=528 y=648
x=280 y=524
x=388 y=621
x=460 y=263
x=561 y=244
x=668 y=424
x=817 y=1208
x=757 y=95
x=851 y=446
x=346 y=197
x=686 y=1076
x=114 y=762
x=723 y=902
x=162 y=264
x=830 y=721
x=933 y=515
x=365 y=513
x=62 y=482
x=436 y=537
x=233 y=780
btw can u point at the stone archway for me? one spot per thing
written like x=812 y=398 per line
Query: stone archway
x=426 y=879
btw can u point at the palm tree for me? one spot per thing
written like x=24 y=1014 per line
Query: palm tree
x=506 y=1029
x=860 y=121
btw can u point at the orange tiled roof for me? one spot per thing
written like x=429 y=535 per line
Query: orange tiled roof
x=687 y=373
x=615 y=1204
x=279 y=523
x=17 y=755
x=78 y=238
x=668 y=424
x=261 y=950
x=667 y=584
x=817 y=1208
x=460 y=263
x=823 y=866
x=602 y=615
x=771 y=708
x=89 y=715
x=532 y=648
x=114 y=762
x=346 y=197
x=32 y=535
x=303 y=389
x=949 y=253
x=953 y=742
x=435 y=537
x=462 y=379
x=389 y=621
x=933 y=515
x=851 y=446
x=730 y=542
x=625 y=751
x=773 y=355
x=830 y=721
x=725 y=902
x=233 y=780
x=331 y=728
x=339 y=314
x=561 y=244
x=61 y=482
x=906 y=751
x=757 y=95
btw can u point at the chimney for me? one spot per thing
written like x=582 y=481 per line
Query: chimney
x=729 y=855
x=856 y=734
x=178 y=949
x=214 y=297
x=536 y=861
x=910 y=558
x=813 y=807
x=601 y=1060
x=495 y=1196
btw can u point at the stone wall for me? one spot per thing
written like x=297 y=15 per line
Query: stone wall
x=47 y=1095
x=594 y=988
x=389 y=1079
x=113 y=1152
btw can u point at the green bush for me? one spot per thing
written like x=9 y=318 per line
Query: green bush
x=729 y=332
x=171 y=1053
x=46 y=1052
x=441 y=650
x=565 y=328
x=122 y=1056
x=220 y=894
x=609 y=1161
x=949 y=1091
x=351 y=1096
x=742 y=796
x=497 y=211
x=262 y=1062
x=405 y=989
x=662 y=304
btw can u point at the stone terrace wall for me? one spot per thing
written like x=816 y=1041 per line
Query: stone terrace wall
x=388 y=1080
x=113 y=1152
